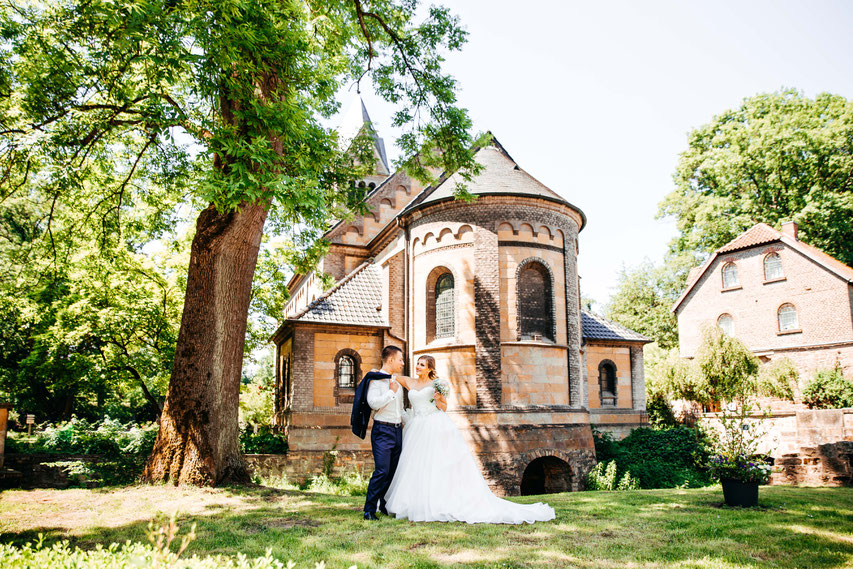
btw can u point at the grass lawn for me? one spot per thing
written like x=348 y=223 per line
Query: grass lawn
x=795 y=527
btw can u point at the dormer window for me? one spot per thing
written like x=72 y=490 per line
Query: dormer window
x=730 y=279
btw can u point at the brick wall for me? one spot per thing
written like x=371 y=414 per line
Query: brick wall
x=554 y=238
x=621 y=358
x=396 y=287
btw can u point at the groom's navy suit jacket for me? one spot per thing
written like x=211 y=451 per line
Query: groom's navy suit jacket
x=360 y=409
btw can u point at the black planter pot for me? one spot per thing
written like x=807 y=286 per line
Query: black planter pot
x=737 y=493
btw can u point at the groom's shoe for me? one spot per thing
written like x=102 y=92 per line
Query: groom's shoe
x=383 y=511
x=370 y=516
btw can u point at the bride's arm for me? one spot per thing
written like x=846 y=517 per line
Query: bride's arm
x=403 y=380
x=440 y=401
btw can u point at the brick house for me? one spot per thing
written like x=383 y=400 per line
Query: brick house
x=488 y=288
x=777 y=294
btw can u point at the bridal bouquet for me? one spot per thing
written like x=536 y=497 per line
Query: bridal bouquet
x=440 y=387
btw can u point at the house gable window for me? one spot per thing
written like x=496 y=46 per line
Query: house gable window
x=607 y=383
x=730 y=279
x=788 y=319
x=535 y=302
x=773 y=267
x=726 y=324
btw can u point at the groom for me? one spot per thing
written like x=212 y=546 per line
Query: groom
x=382 y=394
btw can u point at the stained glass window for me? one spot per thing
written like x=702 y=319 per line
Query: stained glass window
x=445 y=320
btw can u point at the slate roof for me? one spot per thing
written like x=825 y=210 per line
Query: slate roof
x=597 y=327
x=760 y=234
x=355 y=300
x=500 y=175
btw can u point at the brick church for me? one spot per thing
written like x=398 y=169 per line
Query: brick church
x=491 y=290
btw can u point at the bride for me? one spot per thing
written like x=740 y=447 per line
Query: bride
x=437 y=478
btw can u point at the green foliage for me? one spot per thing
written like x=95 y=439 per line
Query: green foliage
x=161 y=554
x=727 y=369
x=644 y=297
x=660 y=412
x=655 y=458
x=265 y=441
x=257 y=394
x=352 y=483
x=829 y=389
x=603 y=477
x=779 y=156
x=778 y=378
x=668 y=375
x=123 y=448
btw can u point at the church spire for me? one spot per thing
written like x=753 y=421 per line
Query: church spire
x=354 y=120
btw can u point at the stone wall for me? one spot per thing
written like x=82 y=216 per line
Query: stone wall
x=35 y=471
x=811 y=447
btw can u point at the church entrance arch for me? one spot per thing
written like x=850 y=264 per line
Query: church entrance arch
x=546 y=475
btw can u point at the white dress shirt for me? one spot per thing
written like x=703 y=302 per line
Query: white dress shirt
x=387 y=405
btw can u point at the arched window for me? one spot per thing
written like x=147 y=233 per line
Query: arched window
x=726 y=324
x=788 y=320
x=445 y=320
x=730 y=275
x=535 y=308
x=607 y=383
x=346 y=372
x=772 y=267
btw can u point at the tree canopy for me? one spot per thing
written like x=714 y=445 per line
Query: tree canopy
x=779 y=156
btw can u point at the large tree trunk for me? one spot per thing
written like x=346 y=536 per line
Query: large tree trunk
x=198 y=441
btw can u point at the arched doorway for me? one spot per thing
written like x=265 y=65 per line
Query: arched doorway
x=546 y=475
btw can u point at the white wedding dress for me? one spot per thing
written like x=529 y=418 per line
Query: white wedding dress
x=437 y=478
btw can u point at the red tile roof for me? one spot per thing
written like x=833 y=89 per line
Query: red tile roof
x=755 y=235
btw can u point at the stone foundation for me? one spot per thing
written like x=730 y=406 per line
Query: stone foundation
x=823 y=465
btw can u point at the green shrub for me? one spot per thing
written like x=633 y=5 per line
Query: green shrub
x=660 y=412
x=265 y=441
x=604 y=476
x=350 y=484
x=829 y=390
x=778 y=379
x=657 y=458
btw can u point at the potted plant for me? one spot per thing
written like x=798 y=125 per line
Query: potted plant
x=740 y=476
x=729 y=371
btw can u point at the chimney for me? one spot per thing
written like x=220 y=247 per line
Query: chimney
x=789 y=228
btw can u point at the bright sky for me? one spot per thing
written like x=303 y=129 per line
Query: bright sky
x=595 y=99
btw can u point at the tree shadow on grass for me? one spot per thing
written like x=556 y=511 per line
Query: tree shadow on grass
x=592 y=531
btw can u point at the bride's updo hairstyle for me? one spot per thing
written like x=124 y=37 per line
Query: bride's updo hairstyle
x=430 y=362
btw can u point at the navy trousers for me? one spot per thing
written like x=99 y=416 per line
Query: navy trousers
x=387 y=442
